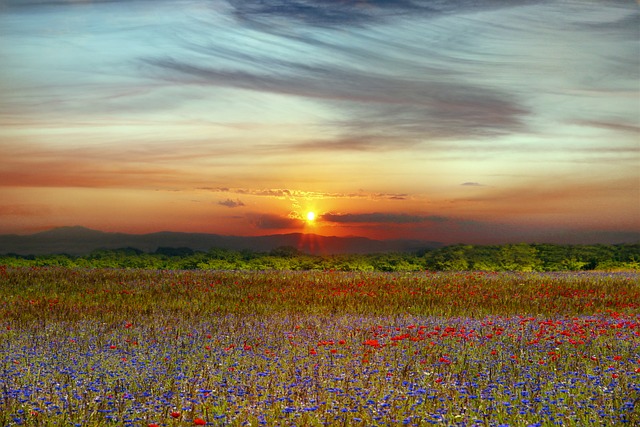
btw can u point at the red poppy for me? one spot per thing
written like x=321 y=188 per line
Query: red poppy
x=199 y=422
x=175 y=414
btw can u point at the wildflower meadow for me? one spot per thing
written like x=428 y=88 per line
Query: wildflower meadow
x=116 y=347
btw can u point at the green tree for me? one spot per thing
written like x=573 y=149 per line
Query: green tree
x=449 y=258
x=518 y=257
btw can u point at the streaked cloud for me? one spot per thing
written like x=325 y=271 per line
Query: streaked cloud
x=283 y=193
x=380 y=217
x=22 y=210
x=377 y=106
x=352 y=12
x=231 y=203
x=274 y=222
x=633 y=128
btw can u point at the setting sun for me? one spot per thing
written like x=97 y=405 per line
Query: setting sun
x=311 y=216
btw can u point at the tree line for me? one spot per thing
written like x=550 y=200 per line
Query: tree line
x=510 y=257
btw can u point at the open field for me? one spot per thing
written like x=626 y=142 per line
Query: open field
x=92 y=347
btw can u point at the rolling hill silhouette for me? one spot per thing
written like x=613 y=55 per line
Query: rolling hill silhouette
x=81 y=241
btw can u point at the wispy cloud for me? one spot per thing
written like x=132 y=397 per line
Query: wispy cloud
x=626 y=27
x=378 y=106
x=352 y=12
x=632 y=128
x=380 y=217
x=83 y=173
x=231 y=203
x=428 y=95
x=24 y=210
x=36 y=3
x=284 y=193
x=274 y=222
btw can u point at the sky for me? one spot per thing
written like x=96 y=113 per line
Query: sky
x=458 y=121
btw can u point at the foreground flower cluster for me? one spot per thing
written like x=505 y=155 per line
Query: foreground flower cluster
x=313 y=366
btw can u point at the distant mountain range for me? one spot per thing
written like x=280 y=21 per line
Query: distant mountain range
x=81 y=241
